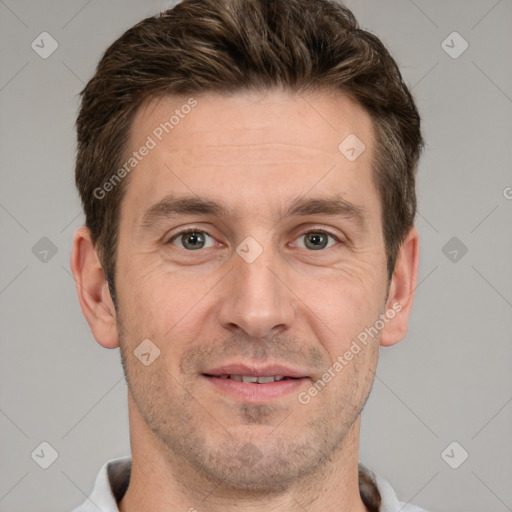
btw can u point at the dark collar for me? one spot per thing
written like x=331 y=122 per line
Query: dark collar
x=119 y=477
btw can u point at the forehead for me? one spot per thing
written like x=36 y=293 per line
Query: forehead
x=249 y=148
x=316 y=120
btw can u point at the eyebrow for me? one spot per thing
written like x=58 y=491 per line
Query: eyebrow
x=334 y=206
x=171 y=206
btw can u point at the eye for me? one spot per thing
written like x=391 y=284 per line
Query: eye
x=316 y=240
x=192 y=240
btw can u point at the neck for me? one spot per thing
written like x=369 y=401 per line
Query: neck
x=162 y=480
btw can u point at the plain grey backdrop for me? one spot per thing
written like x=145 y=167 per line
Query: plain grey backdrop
x=438 y=423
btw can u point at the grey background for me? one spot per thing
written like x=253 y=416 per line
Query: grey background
x=449 y=380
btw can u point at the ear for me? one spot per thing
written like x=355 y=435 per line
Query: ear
x=401 y=290
x=92 y=289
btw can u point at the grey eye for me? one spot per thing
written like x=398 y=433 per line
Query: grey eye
x=315 y=240
x=193 y=240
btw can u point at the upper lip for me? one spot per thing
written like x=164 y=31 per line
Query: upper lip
x=267 y=370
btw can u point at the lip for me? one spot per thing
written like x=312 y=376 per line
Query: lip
x=256 y=371
x=254 y=392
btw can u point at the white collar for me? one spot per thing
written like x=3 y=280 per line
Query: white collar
x=117 y=470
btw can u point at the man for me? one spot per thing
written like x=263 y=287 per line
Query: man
x=247 y=170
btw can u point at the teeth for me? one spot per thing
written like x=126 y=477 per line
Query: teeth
x=264 y=380
x=254 y=379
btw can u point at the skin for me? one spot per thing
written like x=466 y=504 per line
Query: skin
x=255 y=154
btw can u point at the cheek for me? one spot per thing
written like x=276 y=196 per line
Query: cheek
x=346 y=298
x=163 y=305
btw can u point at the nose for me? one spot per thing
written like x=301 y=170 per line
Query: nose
x=256 y=297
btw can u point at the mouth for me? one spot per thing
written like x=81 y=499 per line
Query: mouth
x=251 y=379
x=253 y=384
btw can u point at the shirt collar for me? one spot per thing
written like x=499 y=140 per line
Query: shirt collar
x=114 y=477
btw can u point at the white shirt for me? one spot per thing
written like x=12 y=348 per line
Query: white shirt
x=103 y=498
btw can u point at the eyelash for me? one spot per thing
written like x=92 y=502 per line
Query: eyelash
x=186 y=231
x=198 y=230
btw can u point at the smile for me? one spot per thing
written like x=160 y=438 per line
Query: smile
x=251 y=378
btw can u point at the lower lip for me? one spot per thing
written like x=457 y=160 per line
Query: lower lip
x=251 y=392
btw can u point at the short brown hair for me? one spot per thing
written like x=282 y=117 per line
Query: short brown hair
x=224 y=46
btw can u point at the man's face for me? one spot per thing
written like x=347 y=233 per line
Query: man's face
x=281 y=266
